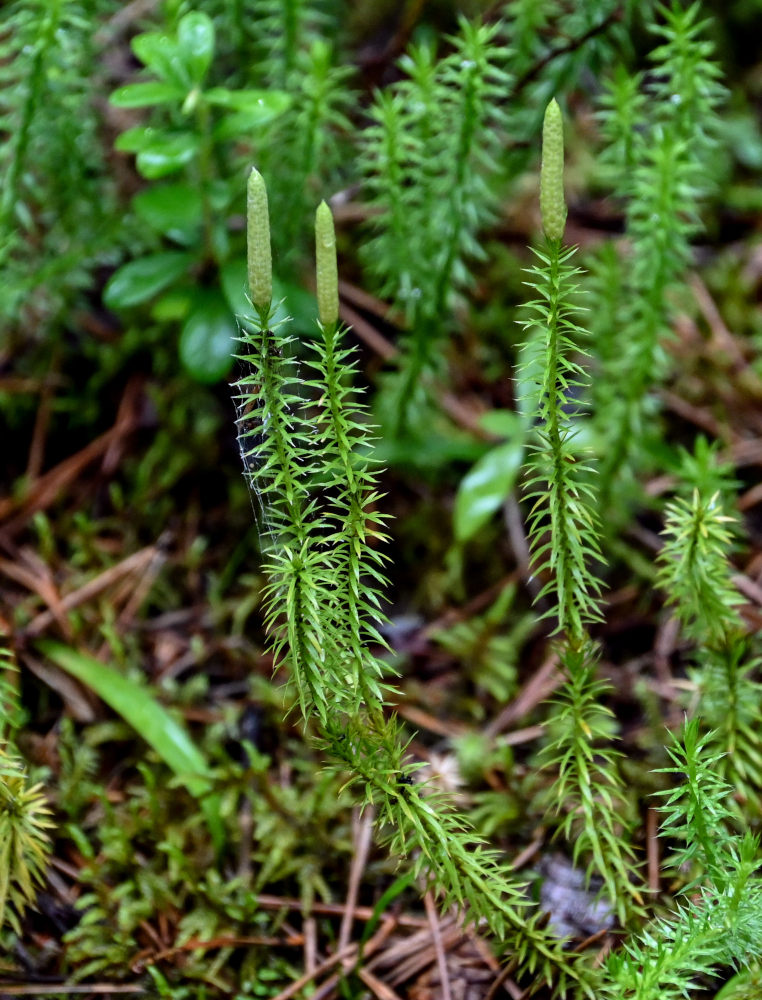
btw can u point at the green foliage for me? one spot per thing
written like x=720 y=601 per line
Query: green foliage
x=199 y=136
x=556 y=48
x=319 y=556
x=564 y=541
x=695 y=571
x=295 y=833
x=24 y=814
x=323 y=612
x=429 y=159
x=291 y=47
x=24 y=842
x=322 y=629
x=307 y=148
x=53 y=222
x=288 y=115
x=489 y=645
x=418 y=821
x=138 y=707
x=563 y=526
x=662 y=155
x=286 y=30
x=588 y=793
x=695 y=812
x=697 y=576
x=719 y=925
x=491 y=479
x=11 y=715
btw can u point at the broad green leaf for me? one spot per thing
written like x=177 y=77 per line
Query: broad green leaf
x=159 y=152
x=136 y=704
x=166 y=155
x=428 y=453
x=160 y=54
x=221 y=193
x=139 y=95
x=132 y=140
x=485 y=487
x=141 y=279
x=501 y=423
x=173 y=306
x=174 y=210
x=235 y=287
x=301 y=303
x=195 y=44
x=264 y=103
x=237 y=124
x=234 y=279
x=207 y=340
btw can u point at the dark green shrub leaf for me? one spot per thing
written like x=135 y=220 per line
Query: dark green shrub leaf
x=174 y=210
x=142 y=279
x=234 y=278
x=165 y=155
x=140 y=95
x=160 y=54
x=139 y=137
x=195 y=43
x=238 y=123
x=485 y=487
x=262 y=105
x=173 y=306
x=501 y=423
x=207 y=341
x=302 y=303
x=296 y=302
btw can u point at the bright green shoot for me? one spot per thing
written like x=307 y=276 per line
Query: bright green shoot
x=564 y=539
x=307 y=444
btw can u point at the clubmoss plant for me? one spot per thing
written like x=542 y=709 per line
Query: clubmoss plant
x=24 y=842
x=696 y=575
x=718 y=924
x=285 y=30
x=307 y=448
x=54 y=223
x=308 y=150
x=662 y=133
x=430 y=159
x=565 y=547
x=323 y=612
x=24 y=815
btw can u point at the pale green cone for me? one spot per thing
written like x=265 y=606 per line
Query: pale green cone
x=552 y=204
x=327 y=272
x=259 y=257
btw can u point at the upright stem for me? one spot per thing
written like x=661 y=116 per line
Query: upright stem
x=34 y=92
